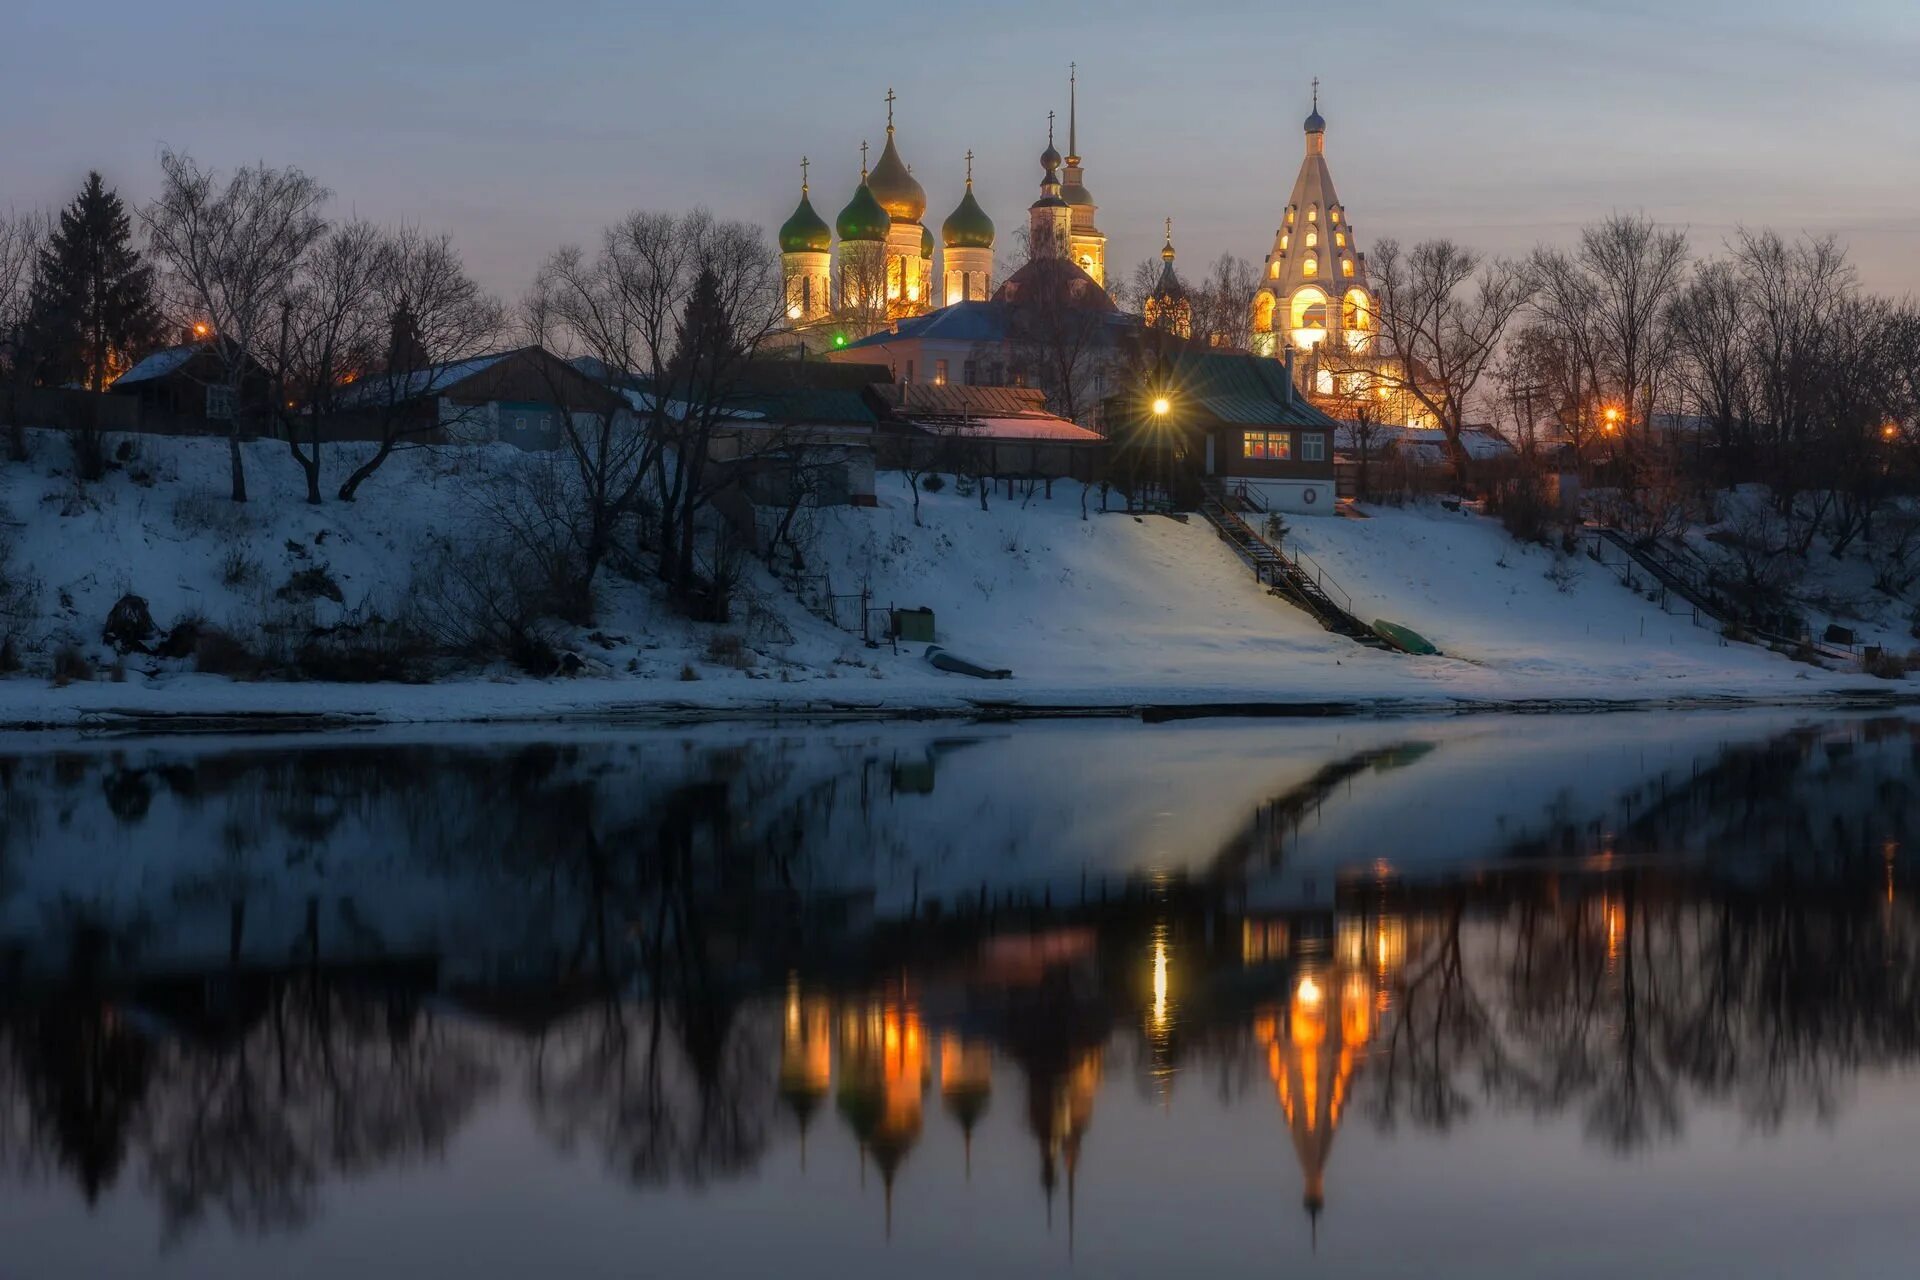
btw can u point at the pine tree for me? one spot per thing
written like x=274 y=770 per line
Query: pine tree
x=704 y=340
x=92 y=313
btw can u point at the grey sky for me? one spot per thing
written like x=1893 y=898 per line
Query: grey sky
x=519 y=127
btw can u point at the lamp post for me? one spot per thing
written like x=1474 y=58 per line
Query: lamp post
x=1162 y=407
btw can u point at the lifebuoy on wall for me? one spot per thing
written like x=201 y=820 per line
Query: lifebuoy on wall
x=1310 y=495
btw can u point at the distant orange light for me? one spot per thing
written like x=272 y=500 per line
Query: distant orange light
x=1890 y=430
x=200 y=329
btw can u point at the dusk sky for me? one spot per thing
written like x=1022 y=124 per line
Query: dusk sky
x=521 y=127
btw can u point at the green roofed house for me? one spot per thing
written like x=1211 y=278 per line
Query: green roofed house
x=1244 y=423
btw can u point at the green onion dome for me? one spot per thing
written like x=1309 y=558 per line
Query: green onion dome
x=805 y=231
x=863 y=218
x=897 y=191
x=926 y=243
x=968 y=226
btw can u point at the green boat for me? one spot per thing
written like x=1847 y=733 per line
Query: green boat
x=1402 y=638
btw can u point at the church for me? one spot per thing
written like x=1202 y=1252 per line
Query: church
x=875 y=265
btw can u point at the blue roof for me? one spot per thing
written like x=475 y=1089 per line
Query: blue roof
x=961 y=322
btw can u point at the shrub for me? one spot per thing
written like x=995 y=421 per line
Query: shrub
x=70 y=663
x=728 y=649
x=933 y=482
x=312 y=583
x=9 y=656
x=369 y=652
x=1885 y=664
x=237 y=568
x=209 y=513
x=687 y=672
x=483 y=603
x=222 y=653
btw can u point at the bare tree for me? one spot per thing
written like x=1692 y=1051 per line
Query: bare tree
x=1712 y=364
x=330 y=331
x=21 y=237
x=670 y=310
x=1609 y=299
x=1223 y=304
x=232 y=253
x=1442 y=314
x=433 y=314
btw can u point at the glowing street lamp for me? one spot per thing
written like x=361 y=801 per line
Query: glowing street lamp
x=200 y=329
x=1612 y=415
x=1162 y=406
x=1890 y=431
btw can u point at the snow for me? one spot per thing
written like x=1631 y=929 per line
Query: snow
x=1101 y=610
x=159 y=364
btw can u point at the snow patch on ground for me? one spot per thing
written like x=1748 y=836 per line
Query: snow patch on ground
x=1086 y=608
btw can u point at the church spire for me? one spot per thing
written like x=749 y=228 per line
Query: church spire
x=1073 y=113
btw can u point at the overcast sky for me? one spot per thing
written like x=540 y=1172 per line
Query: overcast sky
x=520 y=127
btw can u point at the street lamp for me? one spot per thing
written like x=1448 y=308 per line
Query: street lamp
x=1612 y=416
x=1162 y=406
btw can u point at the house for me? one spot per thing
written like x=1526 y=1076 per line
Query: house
x=186 y=388
x=1002 y=432
x=1240 y=420
x=518 y=397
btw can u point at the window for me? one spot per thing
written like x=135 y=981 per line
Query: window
x=1313 y=446
x=1272 y=446
x=939 y=373
x=1313 y=238
x=1346 y=267
x=1323 y=381
x=1311 y=267
x=909 y=377
x=519 y=422
x=1283 y=241
x=1273 y=269
x=1333 y=214
x=967 y=372
x=1289 y=215
x=219 y=403
x=1313 y=214
x=1339 y=239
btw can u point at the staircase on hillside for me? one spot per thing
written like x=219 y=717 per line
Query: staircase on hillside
x=1293 y=577
x=1680 y=575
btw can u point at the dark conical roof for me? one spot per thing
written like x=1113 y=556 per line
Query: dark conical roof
x=968 y=226
x=898 y=192
x=805 y=231
x=863 y=218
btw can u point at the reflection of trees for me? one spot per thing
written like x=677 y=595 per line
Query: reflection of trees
x=1624 y=1004
x=327 y=1081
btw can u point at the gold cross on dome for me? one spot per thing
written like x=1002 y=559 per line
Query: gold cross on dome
x=890 y=106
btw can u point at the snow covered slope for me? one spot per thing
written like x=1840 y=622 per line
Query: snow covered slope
x=1085 y=609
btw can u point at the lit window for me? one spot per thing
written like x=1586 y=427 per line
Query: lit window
x=1273 y=270
x=1270 y=446
x=1310 y=267
x=1313 y=446
x=1339 y=239
x=939 y=373
x=1323 y=381
x=1289 y=215
x=1333 y=214
x=1346 y=266
x=1313 y=239
x=1283 y=242
x=1313 y=215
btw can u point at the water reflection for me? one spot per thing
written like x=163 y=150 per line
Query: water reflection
x=236 y=978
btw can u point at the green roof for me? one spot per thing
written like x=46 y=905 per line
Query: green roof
x=1241 y=390
x=968 y=226
x=863 y=218
x=805 y=231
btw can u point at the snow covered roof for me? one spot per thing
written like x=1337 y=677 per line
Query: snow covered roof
x=401 y=387
x=160 y=364
x=644 y=402
x=1048 y=428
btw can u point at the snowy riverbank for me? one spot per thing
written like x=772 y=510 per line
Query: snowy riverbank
x=1106 y=611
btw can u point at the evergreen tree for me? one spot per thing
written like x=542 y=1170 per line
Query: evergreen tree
x=704 y=340
x=92 y=313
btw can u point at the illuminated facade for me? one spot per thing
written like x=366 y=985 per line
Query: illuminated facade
x=1085 y=243
x=1314 y=282
x=1168 y=308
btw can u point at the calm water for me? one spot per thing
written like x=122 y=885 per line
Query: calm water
x=1480 y=997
